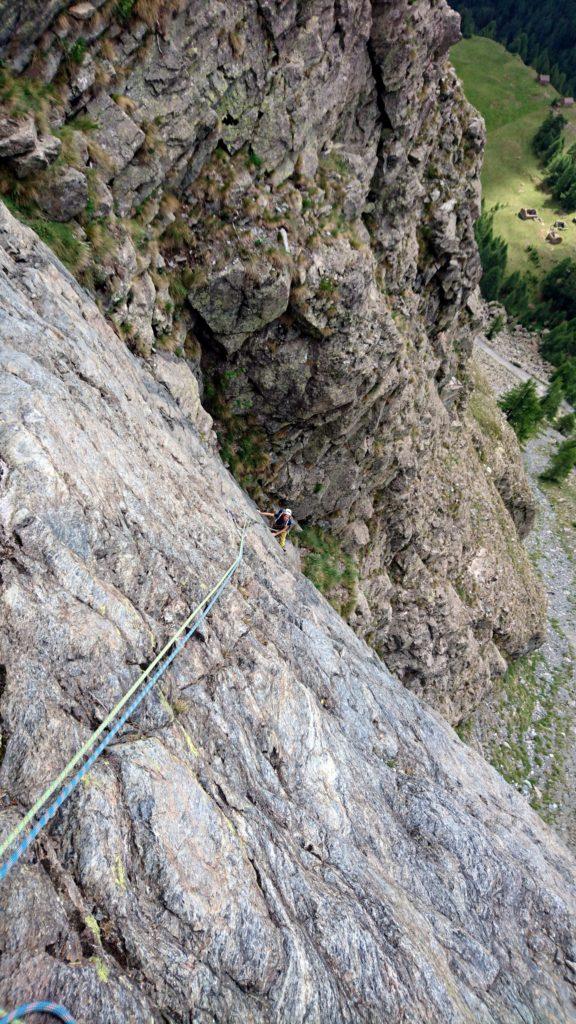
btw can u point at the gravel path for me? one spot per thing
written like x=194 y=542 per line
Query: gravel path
x=552 y=547
x=528 y=728
x=517 y=371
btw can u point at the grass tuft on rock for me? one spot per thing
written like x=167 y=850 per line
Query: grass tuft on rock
x=63 y=239
x=329 y=567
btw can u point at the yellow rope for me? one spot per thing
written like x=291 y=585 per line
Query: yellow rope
x=45 y=796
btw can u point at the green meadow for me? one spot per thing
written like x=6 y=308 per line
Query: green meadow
x=508 y=96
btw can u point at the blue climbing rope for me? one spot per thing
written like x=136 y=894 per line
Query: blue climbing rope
x=114 y=729
x=44 y=1007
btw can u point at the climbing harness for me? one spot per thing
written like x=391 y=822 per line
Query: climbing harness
x=163 y=660
x=54 y=1009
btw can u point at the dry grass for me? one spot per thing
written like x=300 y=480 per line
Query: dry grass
x=108 y=50
x=169 y=204
x=153 y=12
x=125 y=103
x=102 y=242
x=100 y=156
x=237 y=43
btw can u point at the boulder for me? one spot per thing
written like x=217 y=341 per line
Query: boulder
x=16 y=136
x=240 y=298
x=66 y=196
x=43 y=153
x=82 y=11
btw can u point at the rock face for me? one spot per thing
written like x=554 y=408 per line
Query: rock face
x=67 y=197
x=284 y=833
x=286 y=194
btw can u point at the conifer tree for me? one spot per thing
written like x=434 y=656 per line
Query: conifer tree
x=542 y=33
x=566 y=372
x=562 y=462
x=522 y=409
x=467 y=25
x=566 y=424
x=552 y=400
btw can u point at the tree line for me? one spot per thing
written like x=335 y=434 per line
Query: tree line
x=526 y=413
x=549 y=307
x=549 y=304
x=544 y=34
x=559 y=163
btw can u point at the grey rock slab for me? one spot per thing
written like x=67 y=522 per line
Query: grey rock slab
x=283 y=833
x=17 y=136
x=117 y=135
x=65 y=196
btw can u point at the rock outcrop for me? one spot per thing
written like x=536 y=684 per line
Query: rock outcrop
x=326 y=166
x=285 y=193
x=284 y=832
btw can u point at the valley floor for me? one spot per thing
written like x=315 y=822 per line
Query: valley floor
x=528 y=729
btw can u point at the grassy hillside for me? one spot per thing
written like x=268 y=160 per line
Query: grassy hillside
x=513 y=105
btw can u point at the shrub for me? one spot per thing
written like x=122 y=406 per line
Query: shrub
x=327 y=285
x=254 y=159
x=566 y=424
x=562 y=462
x=77 y=51
x=123 y=10
x=495 y=327
x=329 y=567
x=552 y=400
x=522 y=409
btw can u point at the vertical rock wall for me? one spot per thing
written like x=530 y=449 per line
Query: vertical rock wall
x=285 y=193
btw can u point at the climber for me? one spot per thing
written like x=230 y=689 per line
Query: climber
x=282 y=523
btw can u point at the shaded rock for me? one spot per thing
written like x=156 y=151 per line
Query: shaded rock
x=65 y=196
x=44 y=153
x=17 y=136
x=239 y=299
